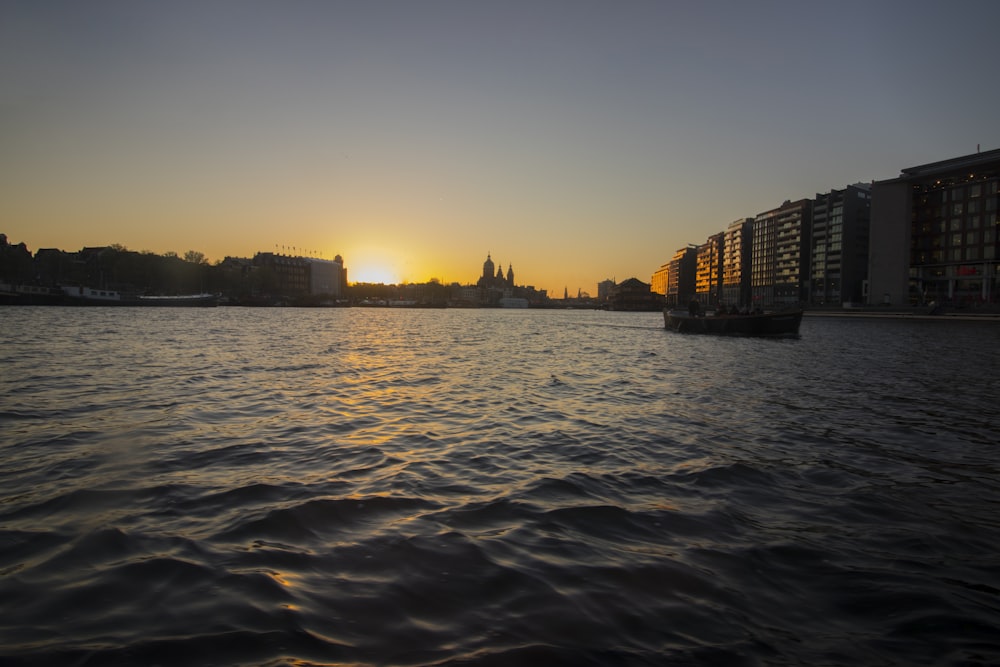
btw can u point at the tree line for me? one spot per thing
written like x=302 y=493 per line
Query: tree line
x=115 y=267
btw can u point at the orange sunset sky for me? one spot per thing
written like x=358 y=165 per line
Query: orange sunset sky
x=575 y=140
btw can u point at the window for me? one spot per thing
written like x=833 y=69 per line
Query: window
x=956 y=209
x=956 y=224
x=971 y=238
x=975 y=190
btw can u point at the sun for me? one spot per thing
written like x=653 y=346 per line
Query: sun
x=373 y=264
x=370 y=273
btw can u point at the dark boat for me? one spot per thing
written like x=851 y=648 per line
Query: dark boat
x=779 y=324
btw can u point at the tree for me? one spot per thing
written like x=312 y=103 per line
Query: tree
x=195 y=257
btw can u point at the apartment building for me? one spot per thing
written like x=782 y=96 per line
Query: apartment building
x=934 y=233
x=680 y=277
x=780 y=261
x=736 y=246
x=708 y=271
x=660 y=278
x=839 y=246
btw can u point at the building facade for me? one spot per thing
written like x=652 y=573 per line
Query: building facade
x=660 y=278
x=634 y=295
x=604 y=289
x=327 y=277
x=283 y=275
x=680 y=277
x=708 y=271
x=934 y=233
x=780 y=260
x=736 y=255
x=839 y=246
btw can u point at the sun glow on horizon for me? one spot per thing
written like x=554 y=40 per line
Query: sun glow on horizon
x=370 y=273
x=371 y=265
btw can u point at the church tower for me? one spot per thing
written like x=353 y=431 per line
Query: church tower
x=510 y=275
x=488 y=268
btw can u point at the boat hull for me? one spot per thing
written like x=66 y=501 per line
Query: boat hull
x=776 y=325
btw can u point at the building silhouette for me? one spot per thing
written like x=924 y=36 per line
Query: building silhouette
x=633 y=295
x=839 y=247
x=496 y=280
x=494 y=288
x=293 y=276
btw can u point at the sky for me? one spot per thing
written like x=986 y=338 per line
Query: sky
x=575 y=141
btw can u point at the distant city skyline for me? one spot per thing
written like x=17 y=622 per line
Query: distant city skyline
x=577 y=140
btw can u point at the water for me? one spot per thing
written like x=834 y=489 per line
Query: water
x=445 y=487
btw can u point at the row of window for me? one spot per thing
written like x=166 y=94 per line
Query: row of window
x=973 y=237
x=954 y=209
x=953 y=225
x=961 y=192
x=967 y=253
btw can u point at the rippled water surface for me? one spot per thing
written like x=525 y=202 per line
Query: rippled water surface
x=453 y=487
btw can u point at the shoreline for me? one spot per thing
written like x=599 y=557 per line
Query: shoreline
x=905 y=315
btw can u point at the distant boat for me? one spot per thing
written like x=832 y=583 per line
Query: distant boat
x=88 y=296
x=30 y=295
x=778 y=324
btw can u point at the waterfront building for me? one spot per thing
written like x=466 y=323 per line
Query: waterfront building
x=496 y=289
x=736 y=256
x=282 y=274
x=633 y=295
x=839 y=245
x=780 y=260
x=658 y=281
x=327 y=277
x=934 y=233
x=491 y=279
x=492 y=284
x=708 y=270
x=301 y=276
x=464 y=296
x=604 y=289
x=680 y=277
